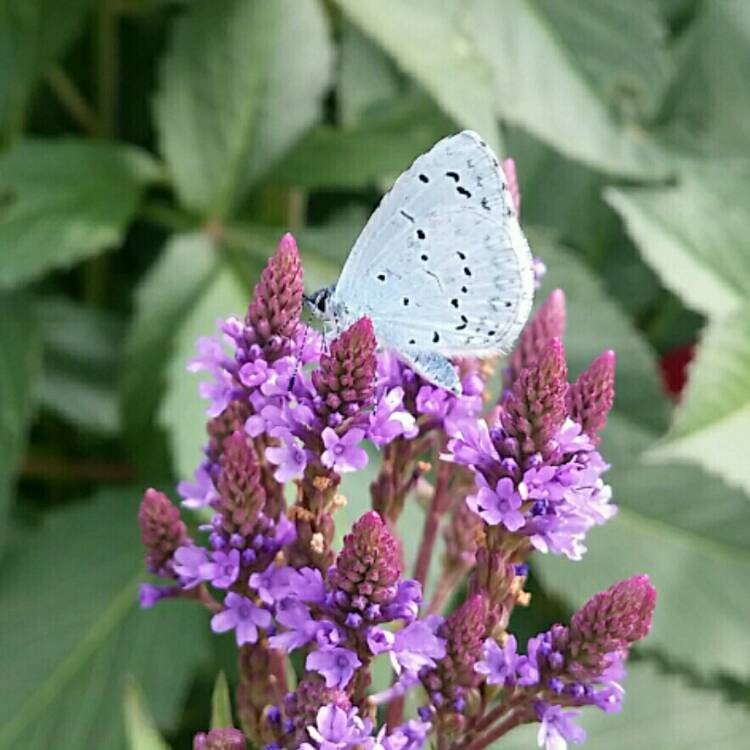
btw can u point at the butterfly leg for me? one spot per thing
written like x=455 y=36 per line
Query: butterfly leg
x=433 y=367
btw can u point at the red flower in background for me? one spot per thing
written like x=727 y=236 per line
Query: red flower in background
x=673 y=366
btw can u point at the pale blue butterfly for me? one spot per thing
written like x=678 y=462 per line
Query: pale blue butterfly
x=441 y=268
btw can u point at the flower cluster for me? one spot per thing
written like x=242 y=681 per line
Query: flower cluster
x=574 y=666
x=537 y=470
x=288 y=415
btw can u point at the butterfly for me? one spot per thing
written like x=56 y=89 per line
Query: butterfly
x=442 y=268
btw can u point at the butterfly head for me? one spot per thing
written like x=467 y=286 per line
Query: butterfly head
x=320 y=303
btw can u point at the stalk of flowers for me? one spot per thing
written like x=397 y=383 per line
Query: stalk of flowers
x=564 y=668
x=526 y=477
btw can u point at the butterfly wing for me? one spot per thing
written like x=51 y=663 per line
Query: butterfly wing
x=442 y=265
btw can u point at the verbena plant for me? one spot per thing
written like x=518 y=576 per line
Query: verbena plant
x=289 y=414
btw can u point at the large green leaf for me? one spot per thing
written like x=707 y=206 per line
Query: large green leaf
x=686 y=529
x=163 y=299
x=241 y=80
x=63 y=201
x=709 y=101
x=20 y=360
x=376 y=150
x=581 y=76
x=82 y=351
x=695 y=235
x=367 y=78
x=71 y=631
x=33 y=34
x=425 y=39
x=182 y=412
x=660 y=713
x=712 y=424
x=639 y=393
x=299 y=74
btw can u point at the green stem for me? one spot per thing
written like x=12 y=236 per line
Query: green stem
x=71 y=98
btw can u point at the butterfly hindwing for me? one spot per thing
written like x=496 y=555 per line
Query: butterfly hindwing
x=459 y=290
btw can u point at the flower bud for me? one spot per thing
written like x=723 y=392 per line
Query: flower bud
x=368 y=565
x=535 y=409
x=590 y=398
x=273 y=315
x=162 y=531
x=547 y=323
x=346 y=378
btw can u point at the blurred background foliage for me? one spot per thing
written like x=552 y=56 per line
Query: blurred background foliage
x=152 y=153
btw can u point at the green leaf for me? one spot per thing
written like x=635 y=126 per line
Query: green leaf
x=427 y=41
x=638 y=393
x=20 y=364
x=140 y=730
x=33 y=34
x=709 y=100
x=367 y=80
x=695 y=235
x=163 y=299
x=82 y=348
x=221 y=703
x=660 y=712
x=581 y=77
x=183 y=412
x=241 y=80
x=298 y=77
x=72 y=630
x=686 y=529
x=712 y=423
x=378 y=149
x=64 y=201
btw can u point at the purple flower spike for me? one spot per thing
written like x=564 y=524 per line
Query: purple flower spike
x=343 y=454
x=335 y=665
x=346 y=378
x=240 y=487
x=162 y=531
x=548 y=323
x=243 y=616
x=591 y=397
x=220 y=739
x=535 y=409
x=273 y=315
x=367 y=568
x=610 y=622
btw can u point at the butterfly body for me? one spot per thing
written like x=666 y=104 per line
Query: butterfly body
x=441 y=268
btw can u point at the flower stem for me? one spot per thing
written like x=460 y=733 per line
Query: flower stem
x=438 y=507
x=520 y=716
